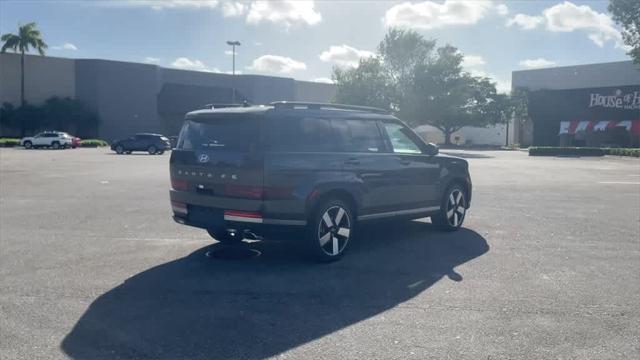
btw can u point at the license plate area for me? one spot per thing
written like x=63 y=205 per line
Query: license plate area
x=205 y=216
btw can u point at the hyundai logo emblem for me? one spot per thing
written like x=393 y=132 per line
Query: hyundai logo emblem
x=203 y=158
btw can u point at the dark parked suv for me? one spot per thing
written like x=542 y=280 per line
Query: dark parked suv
x=151 y=143
x=314 y=169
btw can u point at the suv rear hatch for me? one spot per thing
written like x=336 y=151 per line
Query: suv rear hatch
x=217 y=167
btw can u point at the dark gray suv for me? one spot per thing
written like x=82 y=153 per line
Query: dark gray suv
x=316 y=170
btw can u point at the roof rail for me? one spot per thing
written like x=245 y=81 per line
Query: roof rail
x=318 y=105
x=229 y=105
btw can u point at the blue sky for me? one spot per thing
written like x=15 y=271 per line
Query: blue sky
x=305 y=39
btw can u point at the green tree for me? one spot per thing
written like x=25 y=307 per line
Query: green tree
x=627 y=14
x=421 y=84
x=70 y=115
x=28 y=37
x=63 y=114
x=367 y=85
x=448 y=98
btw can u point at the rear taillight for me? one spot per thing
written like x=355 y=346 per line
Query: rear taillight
x=179 y=208
x=245 y=192
x=180 y=185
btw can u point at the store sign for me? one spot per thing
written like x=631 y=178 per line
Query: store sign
x=620 y=100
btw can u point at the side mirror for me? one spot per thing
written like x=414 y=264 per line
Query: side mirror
x=432 y=149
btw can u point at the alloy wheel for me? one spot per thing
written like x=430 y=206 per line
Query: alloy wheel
x=334 y=230
x=456 y=208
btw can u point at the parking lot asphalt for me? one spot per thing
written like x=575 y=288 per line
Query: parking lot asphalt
x=92 y=266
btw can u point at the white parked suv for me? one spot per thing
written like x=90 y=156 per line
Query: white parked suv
x=53 y=139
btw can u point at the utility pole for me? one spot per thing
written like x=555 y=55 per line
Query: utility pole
x=233 y=45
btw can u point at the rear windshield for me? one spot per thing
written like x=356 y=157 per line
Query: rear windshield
x=233 y=134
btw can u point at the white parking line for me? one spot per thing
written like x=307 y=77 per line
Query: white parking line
x=620 y=182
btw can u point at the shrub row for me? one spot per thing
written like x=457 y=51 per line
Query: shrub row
x=623 y=152
x=93 y=143
x=9 y=142
x=581 y=151
x=565 y=151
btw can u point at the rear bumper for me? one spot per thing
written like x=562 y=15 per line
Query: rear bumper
x=265 y=230
x=223 y=213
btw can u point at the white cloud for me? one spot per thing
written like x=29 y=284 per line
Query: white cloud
x=276 y=64
x=285 y=12
x=502 y=9
x=502 y=86
x=345 y=55
x=188 y=64
x=323 y=80
x=477 y=72
x=428 y=15
x=472 y=61
x=233 y=8
x=65 y=46
x=151 y=60
x=536 y=63
x=163 y=4
x=525 y=22
x=569 y=17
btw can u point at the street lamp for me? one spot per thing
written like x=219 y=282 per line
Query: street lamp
x=233 y=45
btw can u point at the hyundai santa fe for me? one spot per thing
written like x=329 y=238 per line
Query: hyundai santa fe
x=317 y=170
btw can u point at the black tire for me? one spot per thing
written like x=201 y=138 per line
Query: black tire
x=28 y=145
x=224 y=237
x=330 y=230
x=119 y=150
x=55 y=145
x=152 y=150
x=453 y=209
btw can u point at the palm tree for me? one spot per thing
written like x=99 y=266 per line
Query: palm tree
x=28 y=36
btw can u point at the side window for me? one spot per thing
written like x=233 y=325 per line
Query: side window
x=359 y=135
x=306 y=134
x=401 y=139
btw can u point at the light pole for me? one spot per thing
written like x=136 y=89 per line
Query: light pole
x=233 y=45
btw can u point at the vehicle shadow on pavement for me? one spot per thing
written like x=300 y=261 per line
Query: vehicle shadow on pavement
x=196 y=307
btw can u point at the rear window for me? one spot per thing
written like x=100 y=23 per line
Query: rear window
x=359 y=135
x=233 y=134
x=308 y=134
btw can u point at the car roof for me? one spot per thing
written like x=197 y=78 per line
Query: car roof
x=294 y=108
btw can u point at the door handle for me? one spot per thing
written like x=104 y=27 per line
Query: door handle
x=405 y=161
x=352 y=161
